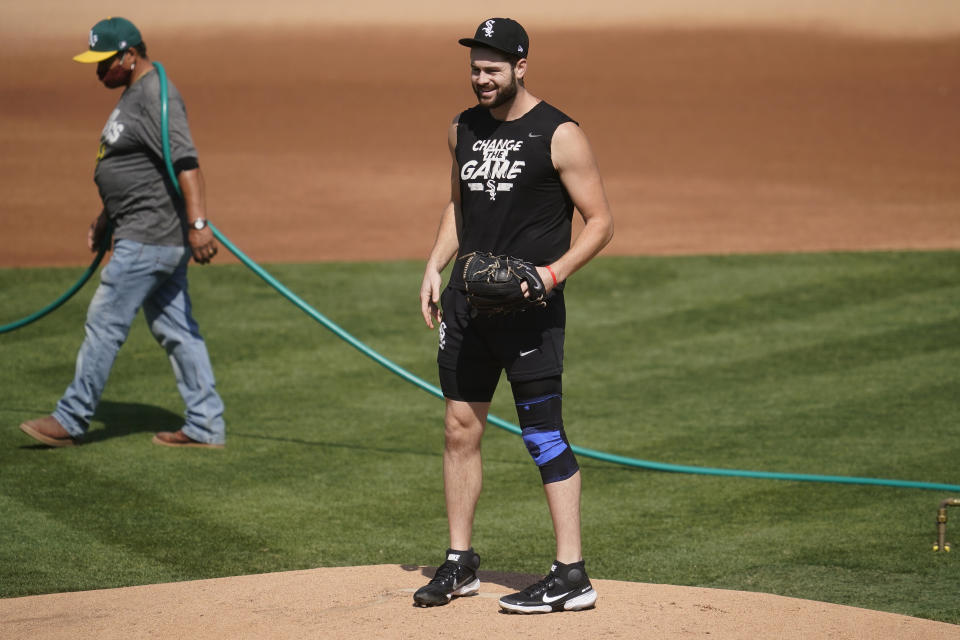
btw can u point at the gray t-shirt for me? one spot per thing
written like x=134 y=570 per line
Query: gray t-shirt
x=131 y=175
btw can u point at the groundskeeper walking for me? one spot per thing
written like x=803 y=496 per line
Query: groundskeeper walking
x=155 y=233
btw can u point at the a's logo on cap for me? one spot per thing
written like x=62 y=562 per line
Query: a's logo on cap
x=123 y=44
x=93 y=38
x=488 y=30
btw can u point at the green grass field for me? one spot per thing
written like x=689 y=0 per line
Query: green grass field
x=835 y=364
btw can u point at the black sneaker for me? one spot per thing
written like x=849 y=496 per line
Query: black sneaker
x=566 y=588
x=455 y=577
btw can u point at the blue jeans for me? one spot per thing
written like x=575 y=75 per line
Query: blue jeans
x=153 y=277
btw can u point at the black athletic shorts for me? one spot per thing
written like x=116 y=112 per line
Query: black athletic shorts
x=473 y=349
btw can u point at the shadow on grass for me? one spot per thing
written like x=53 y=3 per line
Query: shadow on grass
x=122 y=419
x=125 y=418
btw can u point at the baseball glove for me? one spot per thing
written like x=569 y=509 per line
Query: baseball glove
x=493 y=284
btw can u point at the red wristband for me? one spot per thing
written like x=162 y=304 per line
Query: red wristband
x=552 y=274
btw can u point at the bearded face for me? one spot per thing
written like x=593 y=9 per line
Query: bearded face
x=495 y=77
x=494 y=90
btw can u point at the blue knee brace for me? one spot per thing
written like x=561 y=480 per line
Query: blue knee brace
x=541 y=425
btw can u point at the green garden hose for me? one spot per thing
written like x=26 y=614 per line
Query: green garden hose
x=33 y=317
x=512 y=428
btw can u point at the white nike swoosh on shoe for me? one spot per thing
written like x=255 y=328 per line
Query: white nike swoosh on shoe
x=467 y=588
x=548 y=600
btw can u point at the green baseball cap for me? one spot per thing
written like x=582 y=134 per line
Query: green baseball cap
x=109 y=36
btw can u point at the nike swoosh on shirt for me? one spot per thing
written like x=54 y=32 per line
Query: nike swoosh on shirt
x=526 y=353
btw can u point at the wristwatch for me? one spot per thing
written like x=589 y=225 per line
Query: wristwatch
x=199 y=223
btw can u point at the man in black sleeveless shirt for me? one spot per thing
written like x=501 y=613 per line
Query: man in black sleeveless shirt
x=520 y=168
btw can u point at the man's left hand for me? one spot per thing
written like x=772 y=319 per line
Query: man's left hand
x=202 y=244
x=502 y=284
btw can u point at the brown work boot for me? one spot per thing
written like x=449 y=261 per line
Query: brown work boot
x=48 y=431
x=179 y=439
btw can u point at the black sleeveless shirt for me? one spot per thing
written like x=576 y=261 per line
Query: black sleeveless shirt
x=513 y=202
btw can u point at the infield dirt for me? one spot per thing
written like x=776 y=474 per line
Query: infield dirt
x=325 y=142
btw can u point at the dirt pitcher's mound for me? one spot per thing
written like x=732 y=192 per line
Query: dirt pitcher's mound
x=376 y=602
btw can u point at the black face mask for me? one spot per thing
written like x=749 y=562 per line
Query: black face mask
x=114 y=76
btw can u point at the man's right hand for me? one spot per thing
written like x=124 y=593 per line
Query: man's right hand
x=95 y=234
x=430 y=296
